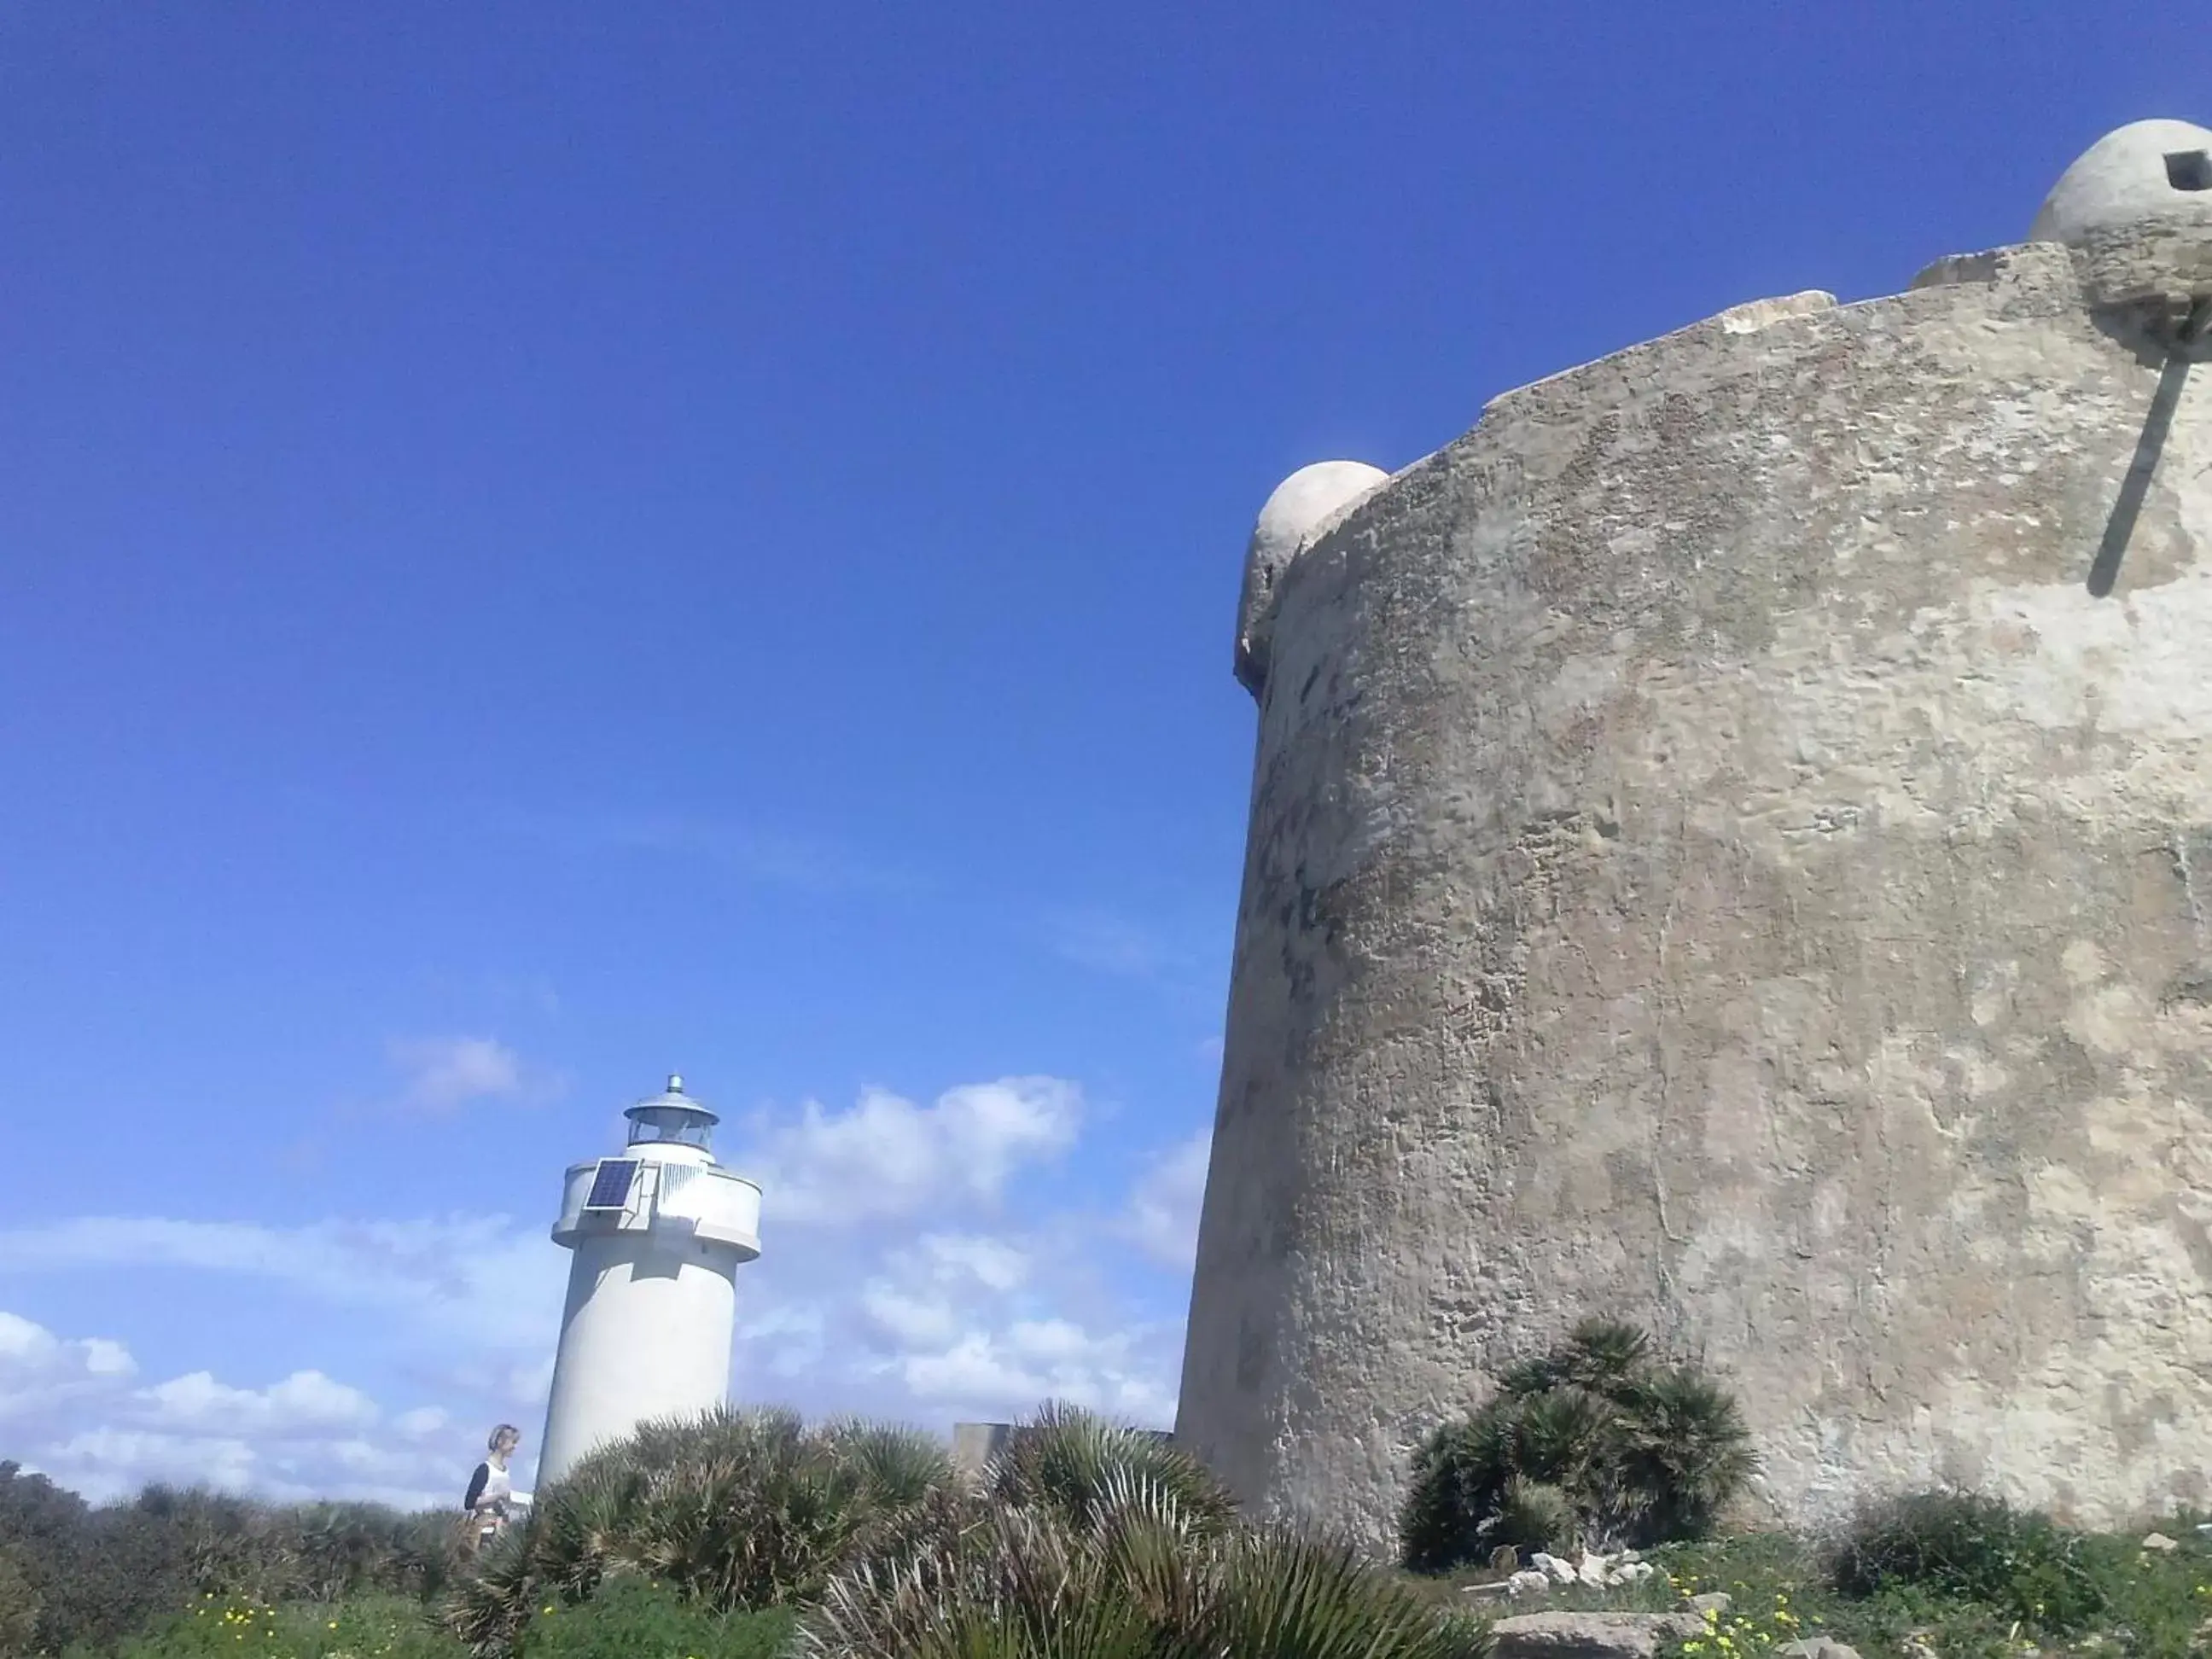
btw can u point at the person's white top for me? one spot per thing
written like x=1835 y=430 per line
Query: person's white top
x=490 y=1485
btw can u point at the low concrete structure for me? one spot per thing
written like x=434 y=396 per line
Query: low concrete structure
x=975 y=1444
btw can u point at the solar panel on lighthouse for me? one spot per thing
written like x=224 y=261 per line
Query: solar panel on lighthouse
x=611 y=1185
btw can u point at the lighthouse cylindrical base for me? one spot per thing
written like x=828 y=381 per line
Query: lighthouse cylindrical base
x=645 y=1334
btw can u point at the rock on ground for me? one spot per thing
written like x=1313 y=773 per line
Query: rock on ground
x=1592 y=1635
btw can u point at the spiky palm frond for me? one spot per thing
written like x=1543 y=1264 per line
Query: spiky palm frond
x=1533 y=1515
x=1638 y=1453
x=1029 y=1584
x=1560 y=1437
x=1602 y=1355
x=1064 y=1458
x=1690 y=1448
x=487 y=1606
x=1298 y=1598
x=1460 y=1476
x=1529 y=1377
x=901 y=1465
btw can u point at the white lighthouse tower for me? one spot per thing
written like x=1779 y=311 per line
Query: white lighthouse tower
x=659 y=1234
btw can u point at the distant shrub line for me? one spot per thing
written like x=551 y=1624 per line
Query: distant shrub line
x=74 y=1575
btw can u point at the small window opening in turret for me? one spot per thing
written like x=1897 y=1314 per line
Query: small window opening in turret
x=2189 y=169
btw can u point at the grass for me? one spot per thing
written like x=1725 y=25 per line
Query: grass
x=361 y=1627
x=630 y=1617
x=2148 y=1605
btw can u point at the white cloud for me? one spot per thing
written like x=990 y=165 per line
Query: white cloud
x=999 y=1376
x=304 y=1403
x=107 y=1463
x=444 y=1074
x=1162 y=1218
x=889 y=1158
x=41 y=1372
x=991 y=1261
x=479 y=1277
x=910 y=1321
x=947 y=1327
x=71 y=1412
x=105 y=1359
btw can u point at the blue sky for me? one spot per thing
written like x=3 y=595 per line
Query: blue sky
x=542 y=544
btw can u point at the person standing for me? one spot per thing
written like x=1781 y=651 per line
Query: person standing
x=491 y=1488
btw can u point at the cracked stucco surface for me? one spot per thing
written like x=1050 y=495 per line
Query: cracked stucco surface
x=1713 y=862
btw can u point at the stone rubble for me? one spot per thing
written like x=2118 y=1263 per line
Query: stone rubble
x=1594 y=1571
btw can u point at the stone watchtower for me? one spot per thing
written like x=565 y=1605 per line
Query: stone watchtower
x=1730 y=849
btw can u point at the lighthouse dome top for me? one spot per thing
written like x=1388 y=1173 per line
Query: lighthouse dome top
x=671 y=1114
x=2145 y=172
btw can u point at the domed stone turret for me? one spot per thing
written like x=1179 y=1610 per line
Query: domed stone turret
x=1300 y=506
x=2144 y=172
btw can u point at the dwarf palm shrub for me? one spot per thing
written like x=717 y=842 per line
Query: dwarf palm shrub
x=736 y=1509
x=1091 y=1541
x=1075 y=1462
x=1594 y=1443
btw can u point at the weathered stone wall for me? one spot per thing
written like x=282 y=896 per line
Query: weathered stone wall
x=1715 y=861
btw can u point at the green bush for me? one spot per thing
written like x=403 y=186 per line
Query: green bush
x=1091 y=1541
x=1595 y=1445
x=634 y=1618
x=18 y=1605
x=97 y=1575
x=1981 y=1549
x=737 y=1509
x=332 y=1551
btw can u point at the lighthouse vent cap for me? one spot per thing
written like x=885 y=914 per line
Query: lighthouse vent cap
x=2141 y=173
